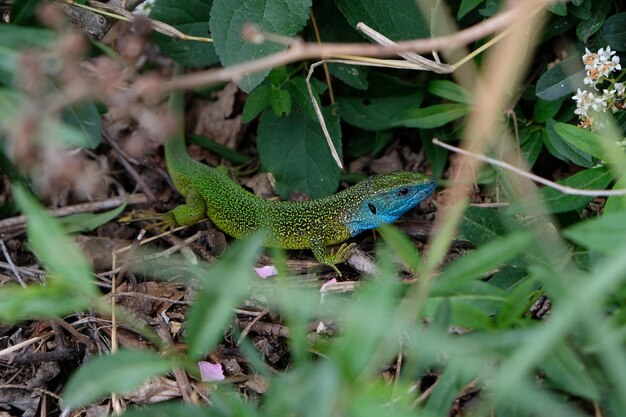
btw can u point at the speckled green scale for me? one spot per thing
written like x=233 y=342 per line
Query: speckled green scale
x=313 y=224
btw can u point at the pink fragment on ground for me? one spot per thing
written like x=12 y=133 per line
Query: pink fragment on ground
x=332 y=281
x=211 y=372
x=266 y=271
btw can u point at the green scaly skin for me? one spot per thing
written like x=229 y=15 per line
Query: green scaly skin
x=313 y=224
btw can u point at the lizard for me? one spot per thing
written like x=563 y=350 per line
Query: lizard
x=314 y=224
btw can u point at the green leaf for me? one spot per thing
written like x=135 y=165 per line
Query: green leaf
x=583 y=139
x=614 y=31
x=20 y=37
x=85 y=118
x=432 y=116
x=219 y=149
x=401 y=246
x=562 y=79
x=466 y=7
x=397 y=20
x=559 y=9
x=281 y=101
x=54 y=248
x=605 y=233
x=83 y=222
x=191 y=17
x=36 y=302
x=295 y=151
x=483 y=260
x=450 y=91
x=376 y=113
x=616 y=203
x=118 y=373
x=353 y=75
x=546 y=110
x=213 y=308
x=257 y=101
x=587 y=28
x=567 y=372
x=564 y=149
x=228 y=17
x=555 y=201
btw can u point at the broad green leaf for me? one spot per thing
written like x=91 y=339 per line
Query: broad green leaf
x=562 y=79
x=587 y=28
x=281 y=101
x=567 y=372
x=546 y=110
x=119 y=372
x=228 y=17
x=555 y=201
x=517 y=301
x=605 y=233
x=614 y=31
x=397 y=20
x=558 y=9
x=213 y=307
x=376 y=113
x=54 y=248
x=50 y=301
x=483 y=260
x=353 y=75
x=191 y=17
x=563 y=148
x=295 y=151
x=432 y=116
x=257 y=101
x=82 y=222
x=85 y=118
x=450 y=91
x=583 y=139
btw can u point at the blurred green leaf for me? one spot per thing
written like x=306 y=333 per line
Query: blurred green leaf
x=191 y=17
x=228 y=18
x=433 y=116
x=450 y=91
x=170 y=409
x=565 y=370
x=605 y=233
x=483 y=260
x=295 y=151
x=467 y=6
x=53 y=300
x=376 y=113
x=54 y=248
x=401 y=245
x=616 y=203
x=83 y=222
x=213 y=307
x=119 y=372
x=85 y=117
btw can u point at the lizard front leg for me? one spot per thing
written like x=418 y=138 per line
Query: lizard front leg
x=192 y=212
x=331 y=257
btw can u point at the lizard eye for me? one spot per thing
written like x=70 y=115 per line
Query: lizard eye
x=372 y=208
x=404 y=191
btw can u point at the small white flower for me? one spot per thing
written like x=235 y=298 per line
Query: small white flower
x=619 y=89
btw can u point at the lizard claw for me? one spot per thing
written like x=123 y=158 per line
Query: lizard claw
x=161 y=221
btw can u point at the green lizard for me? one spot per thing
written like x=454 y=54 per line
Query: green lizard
x=313 y=224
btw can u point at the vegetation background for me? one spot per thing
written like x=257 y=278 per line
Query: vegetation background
x=495 y=298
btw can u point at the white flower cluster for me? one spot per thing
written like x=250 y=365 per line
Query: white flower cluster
x=599 y=67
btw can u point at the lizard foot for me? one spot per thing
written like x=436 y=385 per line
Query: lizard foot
x=161 y=221
x=340 y=255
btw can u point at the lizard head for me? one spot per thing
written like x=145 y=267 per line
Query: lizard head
x=386 y=197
